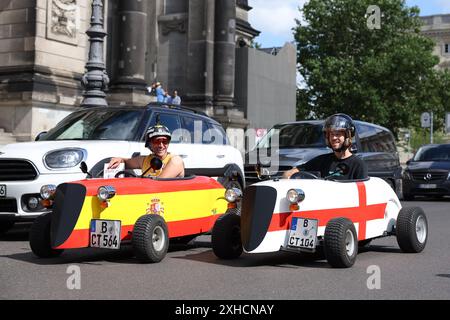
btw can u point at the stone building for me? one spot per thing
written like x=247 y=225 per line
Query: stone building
x=197 y=47
x=437 y=27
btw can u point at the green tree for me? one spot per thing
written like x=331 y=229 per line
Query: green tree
x=383 y=75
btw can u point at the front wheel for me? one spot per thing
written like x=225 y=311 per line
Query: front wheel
x=226 y=236
x=340 y=243
x=150 y=238
x=412 y=229
x=40 y=237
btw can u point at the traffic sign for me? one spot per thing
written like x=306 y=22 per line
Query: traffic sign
x=425 y=120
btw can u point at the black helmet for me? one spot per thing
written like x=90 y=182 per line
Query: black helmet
x=157 y=130
x=340 y=121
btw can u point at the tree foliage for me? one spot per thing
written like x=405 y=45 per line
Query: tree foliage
x=385 y=76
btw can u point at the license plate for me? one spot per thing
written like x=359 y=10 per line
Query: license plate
x=2 y=190
x=303 y=233
x=428 y=186
x=105 y=234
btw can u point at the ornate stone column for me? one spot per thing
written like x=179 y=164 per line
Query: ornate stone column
x=128 y=85
x=225 y=110
x=200 y=58
x=95 y=80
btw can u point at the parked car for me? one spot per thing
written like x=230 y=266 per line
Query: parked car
x=428 y=172
x=299 y=142
x=94 y=136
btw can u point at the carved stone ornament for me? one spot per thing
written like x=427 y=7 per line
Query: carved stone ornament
x=63 y=20
x=173 y=23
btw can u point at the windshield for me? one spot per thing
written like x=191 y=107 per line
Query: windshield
x=433 y=153
x=295 y=135
x=97 y=125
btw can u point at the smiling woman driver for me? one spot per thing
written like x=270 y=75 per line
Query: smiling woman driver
x=157 y=139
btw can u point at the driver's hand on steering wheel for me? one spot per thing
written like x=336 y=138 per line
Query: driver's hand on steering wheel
x=114 y=163
x=289 y=173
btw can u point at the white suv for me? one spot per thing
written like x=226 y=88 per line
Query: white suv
x=94 y=136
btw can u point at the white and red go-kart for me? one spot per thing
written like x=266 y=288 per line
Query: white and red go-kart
x=308 y=215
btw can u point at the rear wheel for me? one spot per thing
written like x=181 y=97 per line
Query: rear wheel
x=150 y=238
x=412 y=229
x=340 y=243
x=226 y=236
x=40 y=237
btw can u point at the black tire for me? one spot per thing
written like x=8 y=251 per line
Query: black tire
x=150 y=238
x=5 y=226
x=340 y=243
x=40 y=237
x=408 y=197
x=226 y=236
x=412 y=229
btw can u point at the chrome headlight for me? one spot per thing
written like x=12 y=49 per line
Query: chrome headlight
x=48 y=191
x=295 y=196
x=64 y=158
x=106 y=192
x=233 y=195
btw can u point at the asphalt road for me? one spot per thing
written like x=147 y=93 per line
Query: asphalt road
x=194 y=272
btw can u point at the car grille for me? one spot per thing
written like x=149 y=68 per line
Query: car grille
x=8 y=205
x=14 y=170
x=432 y=176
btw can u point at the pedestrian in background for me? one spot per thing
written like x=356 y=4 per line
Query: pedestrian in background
x=176 y=98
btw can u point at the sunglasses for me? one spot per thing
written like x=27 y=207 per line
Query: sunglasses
x=157 y=142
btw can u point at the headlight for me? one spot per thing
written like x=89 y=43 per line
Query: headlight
x=48 y=191
x=106 y=192
x=233 y=194
x=65 y=158
x=448 y=177
x=295 y=196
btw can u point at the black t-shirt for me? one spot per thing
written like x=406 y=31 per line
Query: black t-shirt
x=326 y=164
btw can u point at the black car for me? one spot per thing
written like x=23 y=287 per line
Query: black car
x=300 y=141
x=428 y=172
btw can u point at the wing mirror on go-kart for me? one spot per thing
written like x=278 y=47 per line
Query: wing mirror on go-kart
x=84 y=169
x=156 y=163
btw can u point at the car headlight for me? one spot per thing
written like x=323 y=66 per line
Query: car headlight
x=295 y=196
x=64 y=158
x=448 y=177
x=233 y=195
x=106 y=192
x=48 y=191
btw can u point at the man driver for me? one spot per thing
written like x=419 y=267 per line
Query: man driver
x=338 y=131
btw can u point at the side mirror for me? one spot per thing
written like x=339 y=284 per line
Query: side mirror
x=408 y=162
x=84 y=168
x=156 y=163
x=40 y=135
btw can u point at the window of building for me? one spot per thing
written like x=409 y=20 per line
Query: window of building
x=447 y=48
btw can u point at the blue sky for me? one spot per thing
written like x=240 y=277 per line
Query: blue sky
x=275 y=19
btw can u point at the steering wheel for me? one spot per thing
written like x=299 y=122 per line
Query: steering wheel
x=304 y=175
x=126 y=174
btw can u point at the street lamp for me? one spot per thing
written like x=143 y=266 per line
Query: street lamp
x=95 y=80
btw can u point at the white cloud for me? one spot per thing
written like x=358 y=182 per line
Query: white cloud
x=275 y=19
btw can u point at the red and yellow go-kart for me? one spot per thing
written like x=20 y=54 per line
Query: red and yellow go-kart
x=103 y=213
